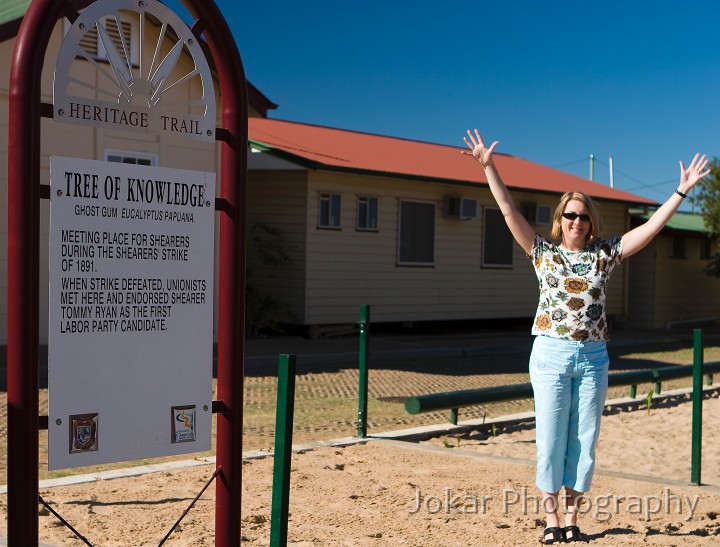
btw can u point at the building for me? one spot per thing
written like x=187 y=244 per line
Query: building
x=668 y=285
x=409 y=228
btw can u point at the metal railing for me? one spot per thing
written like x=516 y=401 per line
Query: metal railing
x=454 y=400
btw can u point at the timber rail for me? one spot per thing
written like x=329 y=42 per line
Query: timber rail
x=454 y=400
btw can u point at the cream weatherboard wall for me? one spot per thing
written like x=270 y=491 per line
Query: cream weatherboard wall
x=81 y=142
x=346 y=267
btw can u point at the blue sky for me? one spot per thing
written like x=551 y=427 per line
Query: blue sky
x=553 y=81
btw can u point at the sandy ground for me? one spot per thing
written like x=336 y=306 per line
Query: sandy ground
x=475 y=489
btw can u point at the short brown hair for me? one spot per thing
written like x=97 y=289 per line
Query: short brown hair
x=592 y=209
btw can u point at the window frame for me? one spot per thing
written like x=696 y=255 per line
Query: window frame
x=676 y=242
x=485 y=234
x=330 y=225
x=368 y=216
x=706 y=248
x=405 y=263
x=132 y=154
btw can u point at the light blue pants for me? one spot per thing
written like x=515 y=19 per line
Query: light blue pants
x=569 y=382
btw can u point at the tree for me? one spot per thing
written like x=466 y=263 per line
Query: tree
x=707 y=198
x=267 y=250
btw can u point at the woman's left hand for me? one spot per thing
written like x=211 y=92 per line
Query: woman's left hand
x=693 y=173
x=479 y=151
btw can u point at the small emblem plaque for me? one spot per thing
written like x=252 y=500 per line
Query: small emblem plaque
x=83 y=433
x=183 y=424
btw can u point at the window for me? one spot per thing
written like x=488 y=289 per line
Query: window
x=125 y=42
x=367 y=212
x=462 y=208
x=678 y=247
x=705 y=248
x=497 y=241
x=329 y=214
x=540 y=215
x=416 y=241
x=135 y=158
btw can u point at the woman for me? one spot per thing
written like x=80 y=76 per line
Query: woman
x=569 y=360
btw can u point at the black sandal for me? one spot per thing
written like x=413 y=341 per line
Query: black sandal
x=557 y=535
x=572 y=534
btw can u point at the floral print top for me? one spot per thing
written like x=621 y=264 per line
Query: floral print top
x=572 y=288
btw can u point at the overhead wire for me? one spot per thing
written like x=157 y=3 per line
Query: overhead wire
x=570 y=163
x=640 y=185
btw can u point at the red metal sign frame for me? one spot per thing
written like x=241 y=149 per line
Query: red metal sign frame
x=25 y=110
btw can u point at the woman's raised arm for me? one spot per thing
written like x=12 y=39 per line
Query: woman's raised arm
x=518 y=224
x=639 y=237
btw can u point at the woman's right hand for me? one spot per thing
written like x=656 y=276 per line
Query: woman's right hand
x=479 y=151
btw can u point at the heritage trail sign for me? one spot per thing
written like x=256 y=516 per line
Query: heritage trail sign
x=131 y=249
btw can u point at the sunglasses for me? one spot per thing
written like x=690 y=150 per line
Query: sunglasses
x=572 y=216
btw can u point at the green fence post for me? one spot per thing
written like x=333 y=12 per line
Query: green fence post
x=697 y=396
x=633 y=391
x=454 y=416
x=364 y=325
x=283 y=450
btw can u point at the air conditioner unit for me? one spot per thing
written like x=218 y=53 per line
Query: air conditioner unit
x=540 y=215
x=462 y=208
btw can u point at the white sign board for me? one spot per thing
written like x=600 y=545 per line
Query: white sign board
x=131 y=312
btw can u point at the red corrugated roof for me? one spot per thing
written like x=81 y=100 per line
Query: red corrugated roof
x=338 y=149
